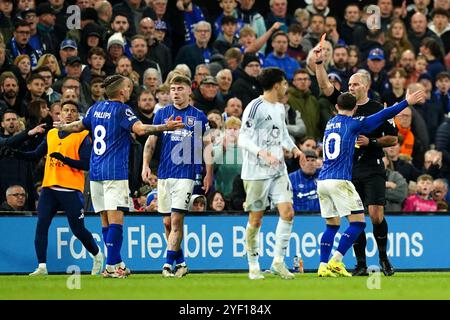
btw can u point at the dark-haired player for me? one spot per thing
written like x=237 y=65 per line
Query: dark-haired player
x=262 y=138
x=337 y=194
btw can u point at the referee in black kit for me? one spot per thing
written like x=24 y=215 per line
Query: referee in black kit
x=369 y=176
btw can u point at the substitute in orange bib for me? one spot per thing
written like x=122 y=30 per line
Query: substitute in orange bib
x=62 y=187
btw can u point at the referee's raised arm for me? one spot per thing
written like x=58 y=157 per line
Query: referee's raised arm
x=321 y=74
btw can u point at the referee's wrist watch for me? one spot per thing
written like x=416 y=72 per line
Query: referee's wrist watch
x=373 y=141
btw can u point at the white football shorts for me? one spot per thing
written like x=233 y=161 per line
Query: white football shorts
x=174 y=195
x=279 y=190
x=110 y=195
x=338 y=198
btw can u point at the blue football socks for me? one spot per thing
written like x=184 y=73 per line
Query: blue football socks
x=326 y=243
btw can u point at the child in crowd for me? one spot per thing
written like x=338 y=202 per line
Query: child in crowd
x=422 y=200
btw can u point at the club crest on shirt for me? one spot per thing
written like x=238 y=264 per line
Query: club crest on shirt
x=130 y=115
x=190 y=121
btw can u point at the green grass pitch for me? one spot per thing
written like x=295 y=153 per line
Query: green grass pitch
x=225 y=286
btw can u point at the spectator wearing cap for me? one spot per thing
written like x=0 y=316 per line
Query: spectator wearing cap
x=207 y=96
x=302 y=100
x=73 y=71
x=227 y=38
x=68 y=48
x=29 y=15
x=6 y=21
x=140 y=202
x=304 y=183
x=139 y=60
x=279 y=58
x=115 y=49
x=19 y=43
x=45 y=29
x=247 y=87
x=441 y=26
x=375 y=65
x=73 y=67
x=161 y=32
x=198 y=52
x=91 y=37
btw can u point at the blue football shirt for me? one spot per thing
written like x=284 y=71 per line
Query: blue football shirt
x=110 y=124
x=341 y=133
x=182 y=149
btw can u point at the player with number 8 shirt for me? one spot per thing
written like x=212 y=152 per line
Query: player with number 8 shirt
x=111 y=122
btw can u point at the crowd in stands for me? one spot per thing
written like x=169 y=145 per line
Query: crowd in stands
x=44 y=61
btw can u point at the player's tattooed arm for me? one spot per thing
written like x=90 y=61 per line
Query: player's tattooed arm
x=76 y=126
x=142 y=129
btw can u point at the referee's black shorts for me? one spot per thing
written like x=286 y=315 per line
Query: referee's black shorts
x=369 y=179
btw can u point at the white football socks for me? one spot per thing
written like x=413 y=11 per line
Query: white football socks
x=282 y=235
x=252 y=245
